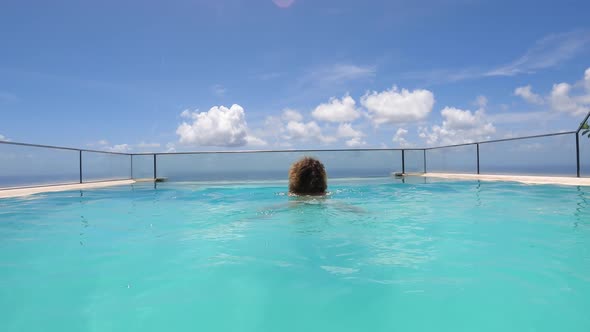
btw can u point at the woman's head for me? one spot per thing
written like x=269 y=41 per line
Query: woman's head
x=308 y=177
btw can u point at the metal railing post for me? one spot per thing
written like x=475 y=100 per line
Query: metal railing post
x=131 y=156
x=403 y=161
x=424 y=160
x=155 y=169
x=577 y=154
x=80 y=159
x=477 y=158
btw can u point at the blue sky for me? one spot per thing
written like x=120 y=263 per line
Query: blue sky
x=264 y=74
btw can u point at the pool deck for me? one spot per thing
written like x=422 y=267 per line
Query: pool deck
x=528 y=179
x=19 y=192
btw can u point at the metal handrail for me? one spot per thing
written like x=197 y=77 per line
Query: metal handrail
x=62 y=148
x=502 y=140
x=276 y=151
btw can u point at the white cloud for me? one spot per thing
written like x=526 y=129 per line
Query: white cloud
x=291 y=115
x=310 y=131
x=4 y=138
x=337 y=110
x=355 y=142
x=103 y=142
x=255 y=141
x=355 y=137
x=527 y=94
x=220 y=126
x=187 y=114
x=572 y=99
x=400 y=138
x=561 y=100
x=546 y=53
x=459 y=119
x=459 y=126
x=346 y=130
x=123 y=148
x=170 y=147
x=395 y=106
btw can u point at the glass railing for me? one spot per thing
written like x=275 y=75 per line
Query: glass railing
x=553 y=155
x=35 y=165
x=414 y=161
x=142 y=166
x=271 y=165
x=102 y=166
x=558 y=154
x=452 y=159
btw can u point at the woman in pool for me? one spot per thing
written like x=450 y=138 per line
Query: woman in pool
x=308 y=177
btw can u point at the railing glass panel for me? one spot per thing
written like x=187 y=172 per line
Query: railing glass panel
x=549 y=155
x=98 y=166
x=414 y=161
x=455 y=159
x=274 y=165
x=143 y=166
x=23 y=166
x=584 y=155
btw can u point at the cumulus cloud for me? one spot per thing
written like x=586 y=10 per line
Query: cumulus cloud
x=572 y=99
x=562 y=101
x=123 y=148
x=398 y=106
x=255 y=141
x=355 y=142
x=337 y=110
x=170 y=147
x=346 y=130
x=400 y=137
x=291 y=115
x=4 y=138
x=526 y=93
x=220 y=126
x=459 y=126
x=302 y=131
x=355 y=137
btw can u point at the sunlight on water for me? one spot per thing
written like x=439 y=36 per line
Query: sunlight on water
x=376 y=255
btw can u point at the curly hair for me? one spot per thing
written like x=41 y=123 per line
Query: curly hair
x=308 y=177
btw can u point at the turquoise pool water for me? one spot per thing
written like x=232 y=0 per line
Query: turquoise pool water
x=377 y=255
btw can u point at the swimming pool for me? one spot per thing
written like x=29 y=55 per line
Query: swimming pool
x=376 y=255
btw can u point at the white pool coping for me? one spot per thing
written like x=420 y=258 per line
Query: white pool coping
x=19 y=192
x=528 y=179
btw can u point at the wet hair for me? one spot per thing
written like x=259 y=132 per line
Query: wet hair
x=308 y=177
